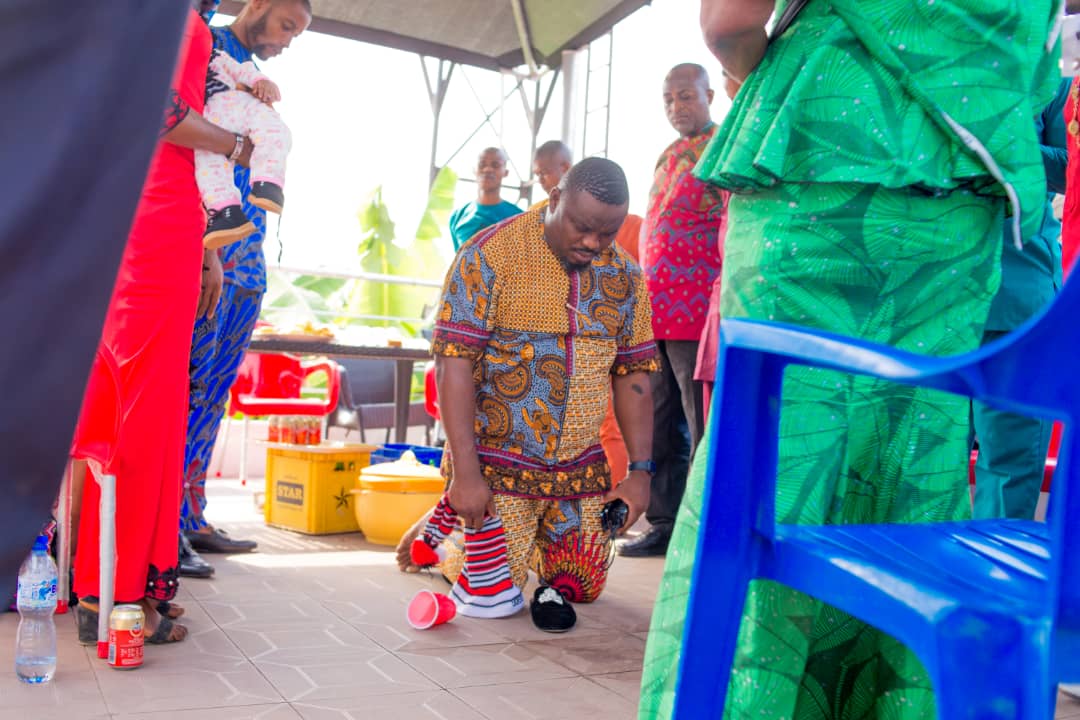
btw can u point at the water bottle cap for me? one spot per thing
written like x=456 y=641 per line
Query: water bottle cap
x=41 y=544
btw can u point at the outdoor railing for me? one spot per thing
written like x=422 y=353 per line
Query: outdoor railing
x=332 y=315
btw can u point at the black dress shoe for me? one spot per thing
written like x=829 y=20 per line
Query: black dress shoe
x=191 y=565
x=218 y=541
x=550 y=611
x=652 y=543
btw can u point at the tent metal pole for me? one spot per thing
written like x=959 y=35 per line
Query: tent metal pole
x=437 y=95
x=570 y=61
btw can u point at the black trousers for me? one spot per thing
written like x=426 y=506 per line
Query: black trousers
x=677 y=428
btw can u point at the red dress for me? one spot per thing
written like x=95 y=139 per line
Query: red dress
x=134 y=411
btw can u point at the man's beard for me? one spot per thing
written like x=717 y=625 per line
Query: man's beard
x=255 y=33
x=574 y=267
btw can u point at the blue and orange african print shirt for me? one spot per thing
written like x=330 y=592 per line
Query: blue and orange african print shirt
x=545 y=343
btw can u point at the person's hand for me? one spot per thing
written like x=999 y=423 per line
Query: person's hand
x=471 y=499
x=245 y=155
x=267 y=91
x=634 y=491
x=212 y=279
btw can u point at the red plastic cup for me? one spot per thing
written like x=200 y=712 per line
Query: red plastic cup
x=428 y=609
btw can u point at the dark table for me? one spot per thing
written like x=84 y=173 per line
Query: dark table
x=404 y=357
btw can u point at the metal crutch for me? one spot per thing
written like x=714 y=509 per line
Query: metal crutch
x=63 y=551
x=102 y=472
x=107 y=559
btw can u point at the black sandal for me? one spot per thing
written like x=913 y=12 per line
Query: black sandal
x=87 y=621
x=162 y=636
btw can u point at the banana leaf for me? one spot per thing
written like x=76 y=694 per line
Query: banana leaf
x=421 y=258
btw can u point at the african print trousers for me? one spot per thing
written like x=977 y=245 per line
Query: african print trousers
x=217 y=347
x=561 y=540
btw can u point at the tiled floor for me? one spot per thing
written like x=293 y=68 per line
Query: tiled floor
x=314 y=627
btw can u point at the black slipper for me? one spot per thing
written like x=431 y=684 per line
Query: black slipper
x=161 y=635
x=551 y=612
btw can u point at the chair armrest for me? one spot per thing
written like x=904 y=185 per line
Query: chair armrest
x=333 y=378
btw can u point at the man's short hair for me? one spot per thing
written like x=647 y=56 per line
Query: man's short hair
x=601 y=178
x=699 y=71
x=555 y=148
x=305 y=3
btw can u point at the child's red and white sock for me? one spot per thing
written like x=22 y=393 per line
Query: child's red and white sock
x=485 y=588
x=427 y=549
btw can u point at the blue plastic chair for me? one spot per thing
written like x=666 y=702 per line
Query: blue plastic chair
x=991 y=607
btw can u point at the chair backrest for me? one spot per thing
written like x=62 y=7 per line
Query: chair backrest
x=1031 y=371
x=370 y=381
x=345 y=396
x=1027 y=371
x=276 y=376
x=367 y=397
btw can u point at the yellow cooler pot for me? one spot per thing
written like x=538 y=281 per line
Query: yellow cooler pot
x=392 y=496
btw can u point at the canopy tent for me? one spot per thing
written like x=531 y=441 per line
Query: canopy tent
x=534 y=40
x=492 y=34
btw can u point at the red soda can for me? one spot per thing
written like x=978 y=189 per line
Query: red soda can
x=126 y=624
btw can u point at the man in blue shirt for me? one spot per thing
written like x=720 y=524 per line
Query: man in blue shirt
x=1012 y=448
x=489 y=207
x=263 y=29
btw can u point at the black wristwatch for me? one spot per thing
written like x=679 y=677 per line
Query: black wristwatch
x=647 y=465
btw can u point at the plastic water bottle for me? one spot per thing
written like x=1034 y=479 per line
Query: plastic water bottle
x=35 y=642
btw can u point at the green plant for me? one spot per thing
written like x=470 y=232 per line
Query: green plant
x=421 y=258
x=295 y=300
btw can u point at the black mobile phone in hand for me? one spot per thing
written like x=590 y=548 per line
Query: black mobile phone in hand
x=613 y=516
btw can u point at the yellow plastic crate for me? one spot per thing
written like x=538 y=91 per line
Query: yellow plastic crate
x=307 y=487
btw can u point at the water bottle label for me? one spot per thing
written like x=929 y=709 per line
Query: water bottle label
x=37 y=594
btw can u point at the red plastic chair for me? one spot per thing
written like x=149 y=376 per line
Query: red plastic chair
x=269 y=384
x=431 y=399
x=431 y=392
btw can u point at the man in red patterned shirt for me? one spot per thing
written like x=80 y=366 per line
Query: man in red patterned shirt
x=681 y=260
